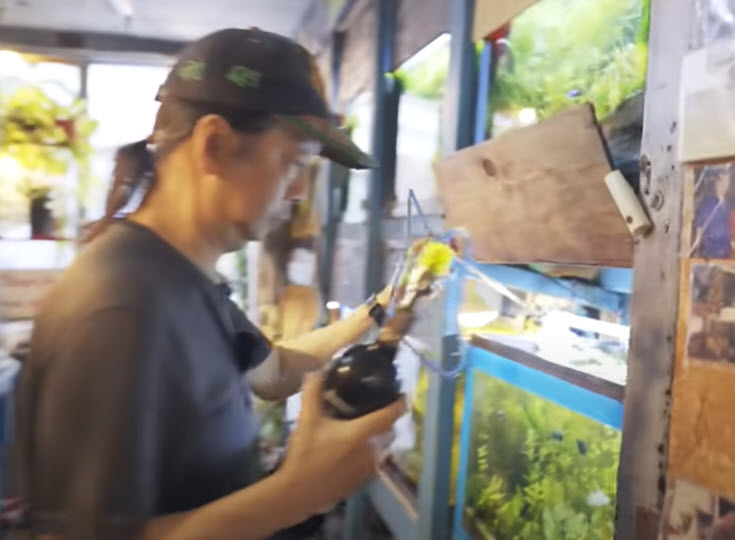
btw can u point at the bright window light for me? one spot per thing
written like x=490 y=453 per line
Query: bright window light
x=476 y=319
x=527 y=116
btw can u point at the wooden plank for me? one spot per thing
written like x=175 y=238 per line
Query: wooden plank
x=492 y=14
x=655 y=301
x=572 y=376
x=543 y=187
x=419 y=22
x=359 y=45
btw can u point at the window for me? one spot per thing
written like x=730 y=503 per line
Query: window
x=424 y=78
x=61 y=81
x=122 y=99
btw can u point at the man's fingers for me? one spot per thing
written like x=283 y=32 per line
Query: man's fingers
x=379 y=421
x=311 y=399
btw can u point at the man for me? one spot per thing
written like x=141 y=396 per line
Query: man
x=134 y=421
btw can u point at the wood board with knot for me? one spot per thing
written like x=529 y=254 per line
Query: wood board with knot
x=537 y=194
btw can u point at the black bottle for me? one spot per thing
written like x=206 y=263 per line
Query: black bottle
x=362 y=380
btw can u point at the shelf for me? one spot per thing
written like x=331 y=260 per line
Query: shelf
x=573 y=376
x=578 y=291
x=395 y=506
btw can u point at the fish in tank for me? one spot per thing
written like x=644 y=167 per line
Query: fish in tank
x=537 y=470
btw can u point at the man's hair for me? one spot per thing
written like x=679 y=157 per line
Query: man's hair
x=135 y=163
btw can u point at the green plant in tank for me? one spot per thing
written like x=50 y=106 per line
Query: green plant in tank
x=538 y=470
x=562 y=52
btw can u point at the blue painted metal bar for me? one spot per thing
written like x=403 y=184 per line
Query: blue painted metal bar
x=434 y=484
x=386 y=22
x=401 y=521
x=580 y=400
x=459 y=115
x=484 y=83
x=457 y=133
x=460 y=534
x=464 y=454
x=453 y=299
x=617 y=279
x=527 y=280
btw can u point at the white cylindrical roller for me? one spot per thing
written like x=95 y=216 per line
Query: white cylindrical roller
x=627 y=202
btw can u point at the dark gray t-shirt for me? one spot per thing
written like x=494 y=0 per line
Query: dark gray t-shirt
x=132 y=403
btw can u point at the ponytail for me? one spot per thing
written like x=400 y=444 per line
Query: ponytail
x=175 y=120
x=134 y=167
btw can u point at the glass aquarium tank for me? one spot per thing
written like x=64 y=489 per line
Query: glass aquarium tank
x=555 y=330
x=559 y=53
x=537 y=470
x=565 y=331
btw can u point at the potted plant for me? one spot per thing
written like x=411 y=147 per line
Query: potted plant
x=45 y=138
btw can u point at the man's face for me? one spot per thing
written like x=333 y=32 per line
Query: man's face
x=257 y=179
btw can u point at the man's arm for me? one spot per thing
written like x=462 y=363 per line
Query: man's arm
x=250 y=514
x=280 y=375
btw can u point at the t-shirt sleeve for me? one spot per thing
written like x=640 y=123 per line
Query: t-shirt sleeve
x=99 y=424
x=251 y=346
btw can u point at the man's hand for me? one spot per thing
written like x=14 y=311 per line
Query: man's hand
x=329 y=459
x=397 y=327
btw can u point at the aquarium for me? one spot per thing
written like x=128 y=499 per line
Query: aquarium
x=539 y=456
x=562 y=52
x=552 y=329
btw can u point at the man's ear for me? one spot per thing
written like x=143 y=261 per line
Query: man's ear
x=212 y=140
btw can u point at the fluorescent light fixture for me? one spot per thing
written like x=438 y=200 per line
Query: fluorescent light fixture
x=12 y=63
x=10 y=168
x=332 y=304
x=123 y=7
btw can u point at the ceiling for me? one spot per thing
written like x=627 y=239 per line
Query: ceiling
x=180 y=20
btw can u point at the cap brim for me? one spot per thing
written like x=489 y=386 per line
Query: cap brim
x=336 y=143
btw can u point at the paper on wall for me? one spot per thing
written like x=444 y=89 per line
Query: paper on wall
x=707 y=103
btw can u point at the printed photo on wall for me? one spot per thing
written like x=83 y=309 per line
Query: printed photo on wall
x=711 y=326
x=692 y=512
x=713 y=226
